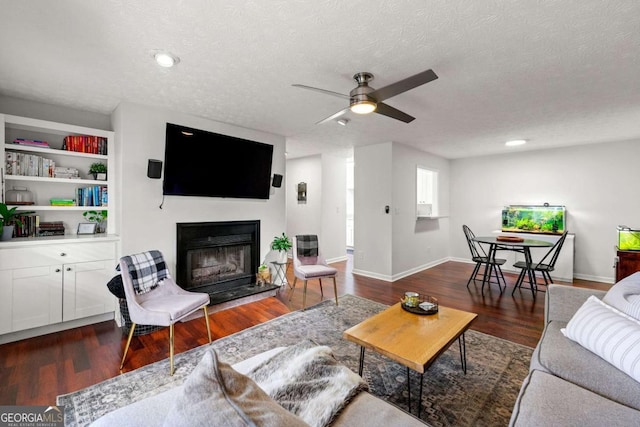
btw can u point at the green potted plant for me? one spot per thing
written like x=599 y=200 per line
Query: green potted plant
x=8 y=217
x=99 y=217
x=99 y=171
x=264 y=273
x=281 y=244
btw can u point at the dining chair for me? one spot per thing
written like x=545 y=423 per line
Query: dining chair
x=154 y=298
x=308 y=263
x=545 y=266
x=479 y=256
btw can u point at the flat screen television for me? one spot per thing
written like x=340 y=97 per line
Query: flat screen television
x=201 y=163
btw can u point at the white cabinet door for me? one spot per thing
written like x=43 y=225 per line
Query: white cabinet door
x=36 y=297
x=6 y=303
x=85 y=289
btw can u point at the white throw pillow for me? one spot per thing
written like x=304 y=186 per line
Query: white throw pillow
x=609 y=333
x=625 y=296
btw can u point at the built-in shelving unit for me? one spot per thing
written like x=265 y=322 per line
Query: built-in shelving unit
x=46 y=188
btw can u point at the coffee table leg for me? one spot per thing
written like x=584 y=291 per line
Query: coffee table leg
x=463 y=352
x=409 y=391
x=361 y=363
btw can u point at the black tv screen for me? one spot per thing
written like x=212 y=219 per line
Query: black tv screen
x=201 y=163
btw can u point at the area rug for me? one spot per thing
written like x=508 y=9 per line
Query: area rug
x=483 y=397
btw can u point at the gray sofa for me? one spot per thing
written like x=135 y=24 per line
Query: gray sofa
x=365 y=410
x=568 y=384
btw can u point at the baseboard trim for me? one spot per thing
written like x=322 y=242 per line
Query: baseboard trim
x=399 y=276
x=56 y=327
x=591 y=278
x=336 y=259
x=418 y=269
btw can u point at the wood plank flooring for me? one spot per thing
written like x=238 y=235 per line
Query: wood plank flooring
x=35 y=371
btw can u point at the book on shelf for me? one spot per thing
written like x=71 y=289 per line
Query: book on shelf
x=66 y=173
x=85 y=144
x=25 y=164
x=31 y=142
x=62 y=202
x=96 y=195
x=29 y=223
x=51 y=228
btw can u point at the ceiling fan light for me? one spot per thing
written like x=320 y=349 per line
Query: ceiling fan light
x=363 y=107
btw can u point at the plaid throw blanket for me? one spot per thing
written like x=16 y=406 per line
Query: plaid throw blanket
x=307 y=245
x=147 y=270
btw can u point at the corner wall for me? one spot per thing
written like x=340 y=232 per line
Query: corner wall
x=324 y=212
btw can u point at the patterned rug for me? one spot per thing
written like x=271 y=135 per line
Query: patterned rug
x=483 y=397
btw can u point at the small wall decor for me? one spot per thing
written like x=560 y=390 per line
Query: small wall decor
x=302 y=192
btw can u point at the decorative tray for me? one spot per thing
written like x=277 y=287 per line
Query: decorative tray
x=428 y=306
x=509 y=239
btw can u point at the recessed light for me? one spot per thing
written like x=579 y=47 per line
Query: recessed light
x=515 y=142
x=166 y=59
x=343 y=122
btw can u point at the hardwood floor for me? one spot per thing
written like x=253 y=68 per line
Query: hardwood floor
x=35 y=371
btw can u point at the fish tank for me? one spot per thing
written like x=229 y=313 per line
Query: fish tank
x=542 y=219
x=628 y=238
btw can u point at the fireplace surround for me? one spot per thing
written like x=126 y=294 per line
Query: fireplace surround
x=219 y=258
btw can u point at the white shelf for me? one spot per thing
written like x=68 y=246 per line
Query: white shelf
x=54 y=180
x=53 y=151
x=59 y=208
x=431 y=217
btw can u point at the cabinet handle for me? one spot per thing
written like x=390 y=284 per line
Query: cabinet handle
x=68 y=268
x=63 y=254
x=57 y=270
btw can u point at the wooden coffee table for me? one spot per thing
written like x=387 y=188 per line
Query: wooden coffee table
x=412 y=340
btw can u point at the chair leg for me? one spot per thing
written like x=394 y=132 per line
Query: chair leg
x=473 y=275
x=293 y=287
x=171 y=349
x=335 y=289
x=304 y=295
x=126 y=347
x=321 y=293
x=518 y=281
x=206 y=319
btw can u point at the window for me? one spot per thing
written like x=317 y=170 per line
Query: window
x=427 y=192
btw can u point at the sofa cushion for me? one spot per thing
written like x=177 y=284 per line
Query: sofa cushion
x=215 y=392
x=569 y=360
x=609 y=333
x=625 y=296
x=546 y=400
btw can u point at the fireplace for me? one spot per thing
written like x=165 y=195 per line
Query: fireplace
x=219 y=258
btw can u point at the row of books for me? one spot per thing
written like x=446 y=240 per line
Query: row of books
x=28 y=165
x=31 y=226
x=85 y=144
x=96 y=195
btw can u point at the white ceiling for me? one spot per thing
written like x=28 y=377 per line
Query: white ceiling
x=556 y=73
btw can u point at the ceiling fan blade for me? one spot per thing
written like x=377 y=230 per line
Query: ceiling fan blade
x=334 y=116
x=327 y=92
x=394 y=113
x=403 y=85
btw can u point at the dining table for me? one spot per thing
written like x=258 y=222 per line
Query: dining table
x=510 y=243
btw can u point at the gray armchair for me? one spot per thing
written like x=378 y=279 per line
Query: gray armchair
x=154 y=298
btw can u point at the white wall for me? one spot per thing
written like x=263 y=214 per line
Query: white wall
x=372 y=192
x=417 y=243
x=140 y=135
x=54 y=113
x=304 y=217
x=334 y=207
x=324 y=212
x=597 y=183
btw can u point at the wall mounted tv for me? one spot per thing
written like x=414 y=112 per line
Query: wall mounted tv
x=201 y=163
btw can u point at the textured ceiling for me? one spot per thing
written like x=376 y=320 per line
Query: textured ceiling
x=555 y=73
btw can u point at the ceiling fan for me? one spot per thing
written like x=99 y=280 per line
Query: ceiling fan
x=364 y=99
